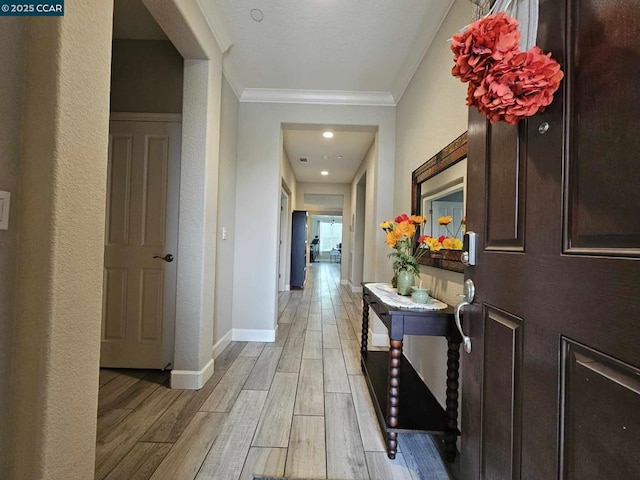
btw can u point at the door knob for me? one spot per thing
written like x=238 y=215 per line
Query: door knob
x=469 y=294
x=167 y=258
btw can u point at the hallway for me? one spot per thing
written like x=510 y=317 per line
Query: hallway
x=298 y=407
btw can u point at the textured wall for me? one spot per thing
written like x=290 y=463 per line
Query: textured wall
x=146 y=76
x=11 y=85
x=431 y=113
x=226 y=213
x=198 y=209
x=61 y=221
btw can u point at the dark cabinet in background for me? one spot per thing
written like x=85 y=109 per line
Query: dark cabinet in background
x=298 y=248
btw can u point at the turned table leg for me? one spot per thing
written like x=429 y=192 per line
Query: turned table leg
x=393 y=397
x=365 y=327
x=453 y=365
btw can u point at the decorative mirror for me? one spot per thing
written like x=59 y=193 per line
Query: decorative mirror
x=439 y=188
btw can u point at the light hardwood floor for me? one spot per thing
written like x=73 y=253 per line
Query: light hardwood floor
x=297 y=407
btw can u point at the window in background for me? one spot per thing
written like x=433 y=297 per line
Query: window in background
x=330 y=234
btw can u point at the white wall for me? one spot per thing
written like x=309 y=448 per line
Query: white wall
x=63 y=168
x=368 y=223
x=258 y=197
x=12 y=57
x=146 y=76
x=431 y=113
x=226 y=217
x=184 y=24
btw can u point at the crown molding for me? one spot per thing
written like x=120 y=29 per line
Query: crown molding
x=232 y=77
x=216 y=24
x=430 y=27
x=321 y=97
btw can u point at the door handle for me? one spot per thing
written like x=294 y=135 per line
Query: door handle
x=167 y=258
x=469 y=294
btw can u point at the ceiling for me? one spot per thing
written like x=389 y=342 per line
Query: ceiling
x=364 y=51
x=340 y=156
x=357 y=52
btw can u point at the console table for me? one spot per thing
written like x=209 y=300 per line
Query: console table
x=402 y=401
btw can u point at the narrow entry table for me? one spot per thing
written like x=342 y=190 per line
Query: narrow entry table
x=402 y=401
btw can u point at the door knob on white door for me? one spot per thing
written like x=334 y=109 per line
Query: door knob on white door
x=167 y=258
x=469 y=294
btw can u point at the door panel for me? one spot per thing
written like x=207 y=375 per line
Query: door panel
x=119 y=190
x=142 y=223
x=603 y=63
x=154 y=195
x=502 y=402
x=506 y=181
x=115 y=305
x=572 y=275
x=151 y=313
x=598 y=395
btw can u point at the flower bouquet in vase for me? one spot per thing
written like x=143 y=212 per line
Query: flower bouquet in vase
x=399 y=236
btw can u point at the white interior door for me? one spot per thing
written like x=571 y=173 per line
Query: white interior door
x=454 y=210
x=139 y=292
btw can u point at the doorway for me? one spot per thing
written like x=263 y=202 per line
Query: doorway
x=141 y=240
x=326 y=232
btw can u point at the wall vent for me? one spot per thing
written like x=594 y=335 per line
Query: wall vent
x=304 y=160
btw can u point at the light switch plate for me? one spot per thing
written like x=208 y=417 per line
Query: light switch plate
x=5 y=201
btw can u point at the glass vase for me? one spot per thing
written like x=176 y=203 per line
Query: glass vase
x=405 y=282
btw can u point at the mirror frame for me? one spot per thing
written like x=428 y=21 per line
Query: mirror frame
x=453 y=153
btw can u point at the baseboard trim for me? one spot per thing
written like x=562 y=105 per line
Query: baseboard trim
x=252 y=335
x=221 y=345
x=191 y=379
x=356 y=288
x=344 y=281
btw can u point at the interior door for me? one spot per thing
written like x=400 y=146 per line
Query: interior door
x=439 y=208
x=141 y=241
x=551 y=388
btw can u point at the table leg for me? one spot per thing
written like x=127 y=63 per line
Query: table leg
x=453 y=365
x=393 y=397
x=365 y=327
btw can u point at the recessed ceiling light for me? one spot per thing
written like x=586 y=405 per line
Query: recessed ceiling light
x=324 y=172
x=327 y=134
x=339 y=157
x=256 y=15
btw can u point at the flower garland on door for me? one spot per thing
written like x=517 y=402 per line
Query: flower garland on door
x=505 y=83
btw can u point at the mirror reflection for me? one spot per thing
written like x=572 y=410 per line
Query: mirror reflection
x=439 y=192
x=449 y=204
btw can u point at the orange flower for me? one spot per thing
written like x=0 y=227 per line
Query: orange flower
x=451 y=243
x=505 y=84
x=418 y=219
x=518 y=88
x=491 y=39
x=433 y=244
x=445 y=220
x=406 y=228
x=392 y=238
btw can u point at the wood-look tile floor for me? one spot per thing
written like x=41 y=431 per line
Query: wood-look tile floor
x=298 y=407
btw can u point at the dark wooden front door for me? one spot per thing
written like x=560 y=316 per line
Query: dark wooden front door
x=551 y=388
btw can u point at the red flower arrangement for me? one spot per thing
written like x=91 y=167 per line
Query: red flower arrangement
x=485 y=41
x=505 y=84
